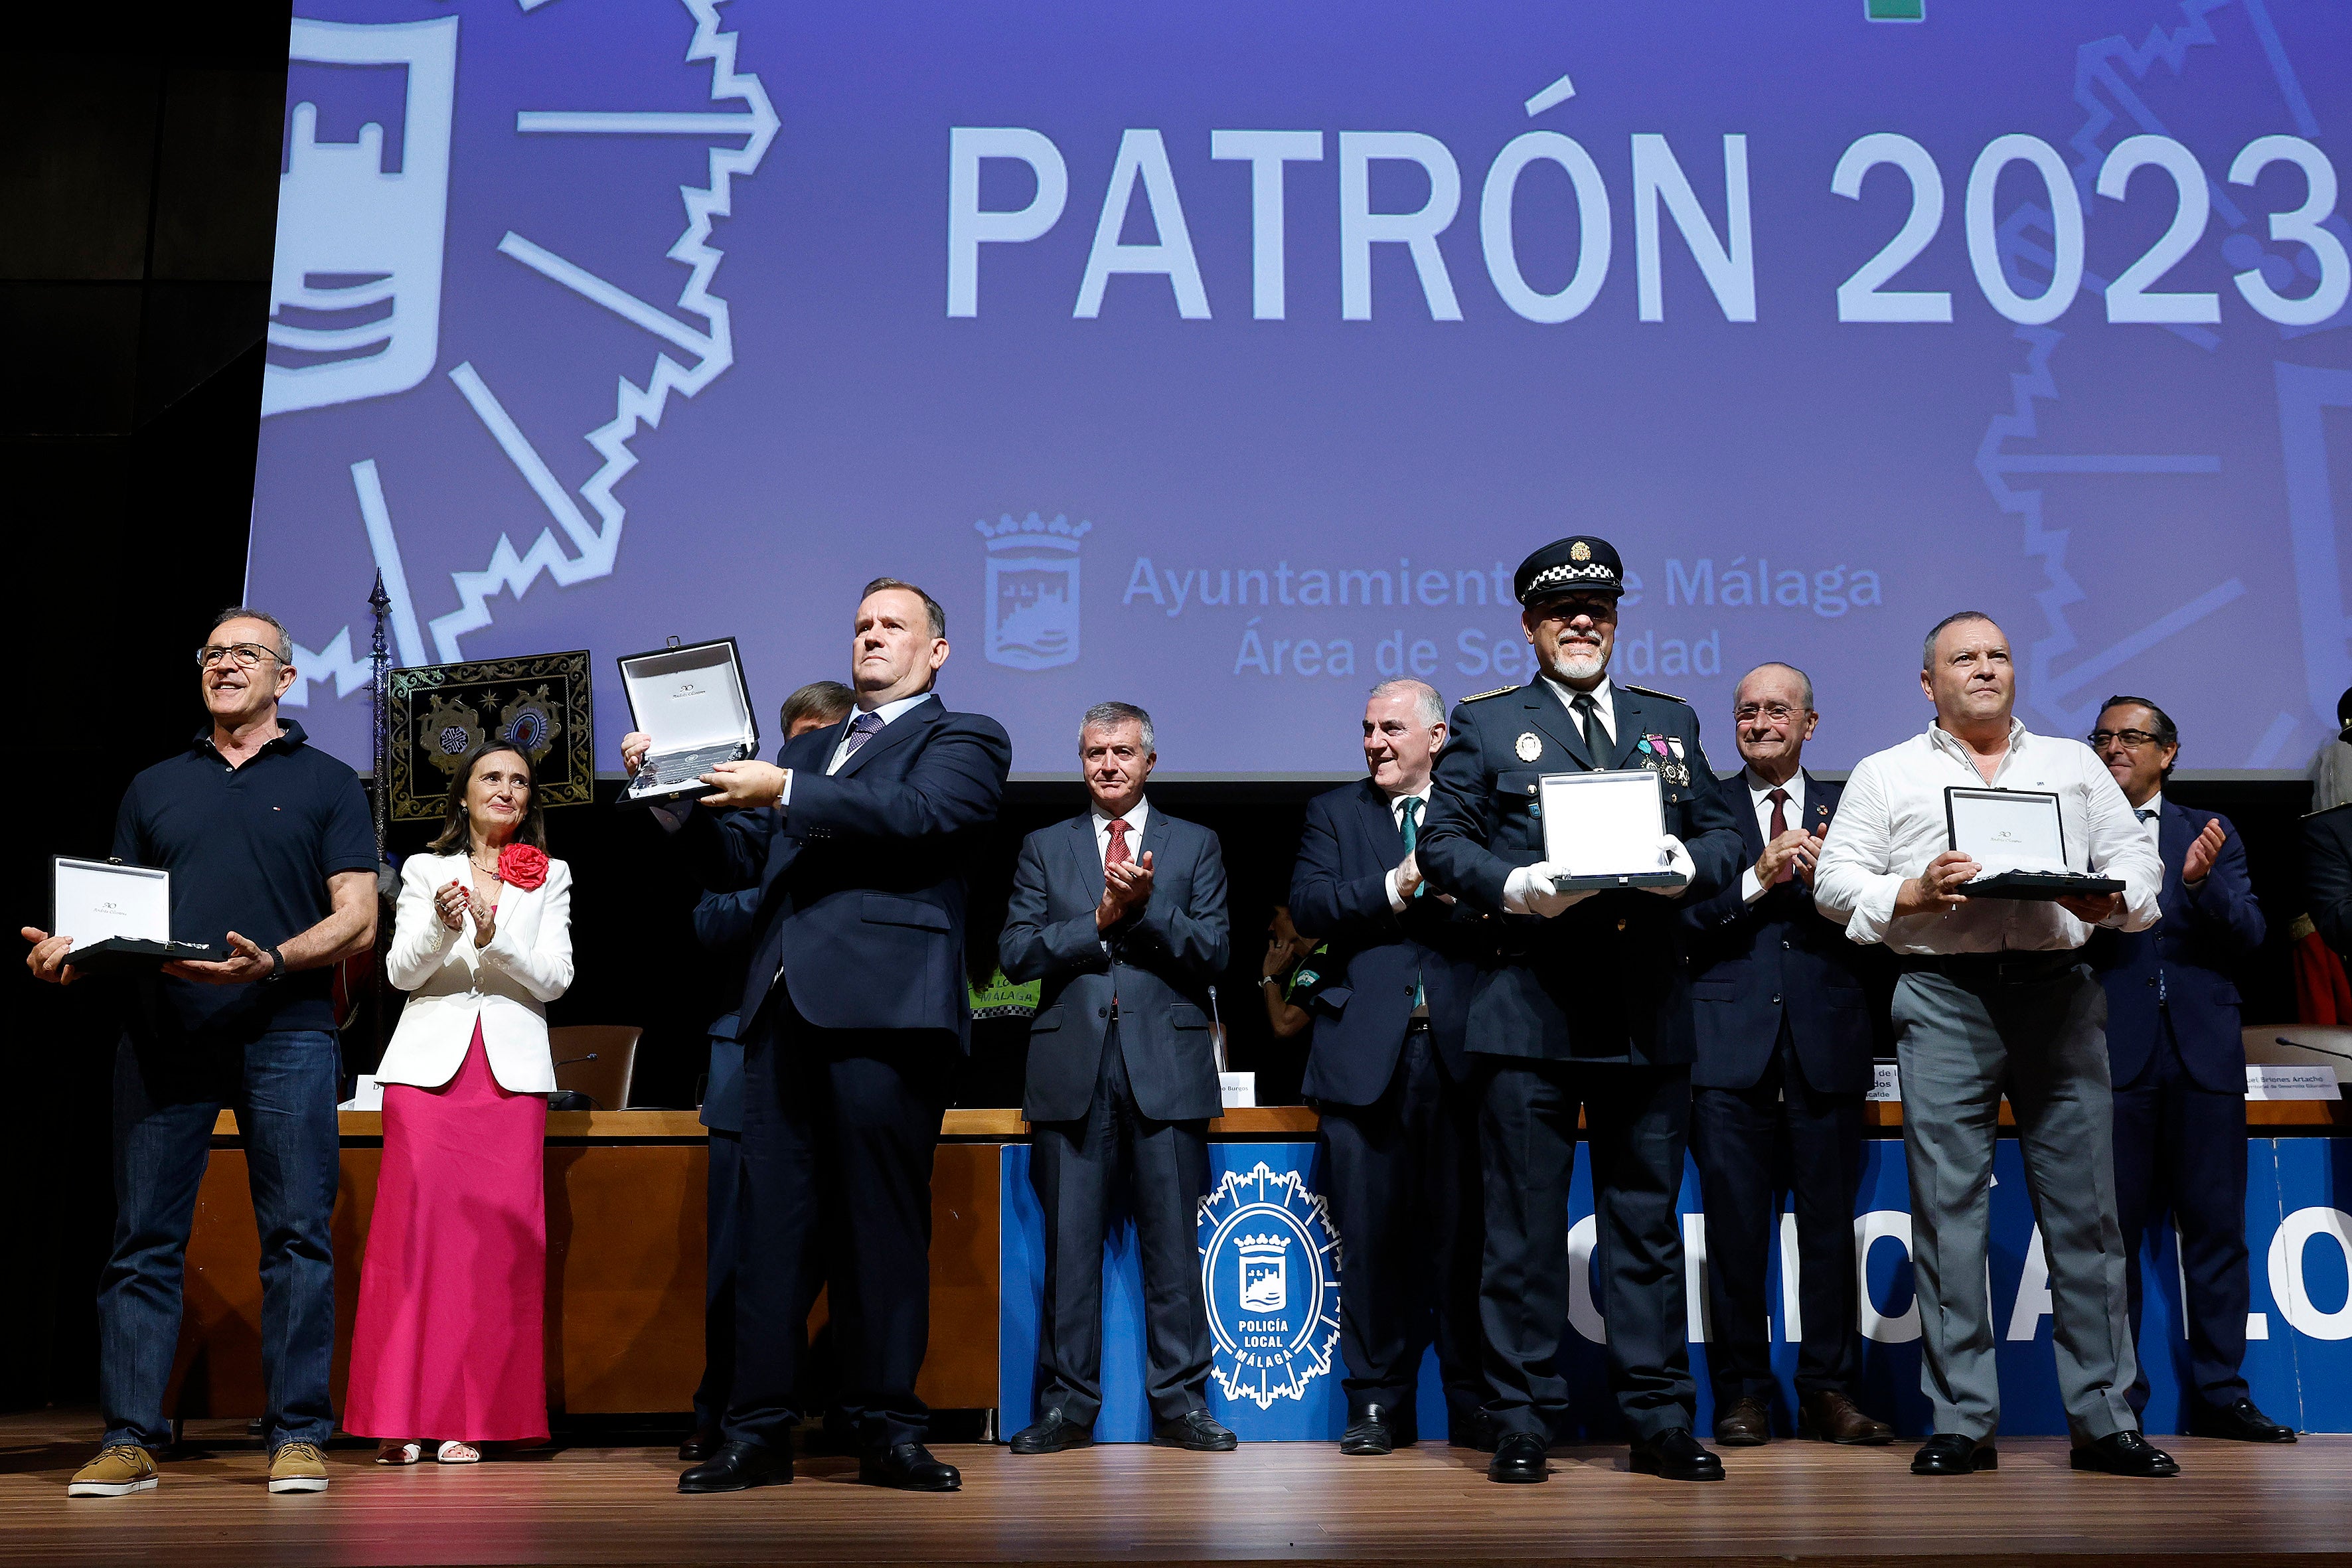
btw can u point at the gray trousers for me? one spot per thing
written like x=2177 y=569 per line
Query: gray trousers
x=2044 y=1042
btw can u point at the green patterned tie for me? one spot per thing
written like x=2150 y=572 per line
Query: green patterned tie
x=1411 y=828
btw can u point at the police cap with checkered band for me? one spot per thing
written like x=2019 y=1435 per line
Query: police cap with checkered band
x=1580 y=563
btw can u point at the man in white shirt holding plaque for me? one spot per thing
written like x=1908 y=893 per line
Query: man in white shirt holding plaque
x=1994 y=999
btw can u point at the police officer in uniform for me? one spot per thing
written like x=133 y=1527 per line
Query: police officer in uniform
x=1583 y=999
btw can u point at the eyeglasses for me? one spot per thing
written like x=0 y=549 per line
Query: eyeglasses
x=2131 y=740
x=1779 y=712
x=244 y=655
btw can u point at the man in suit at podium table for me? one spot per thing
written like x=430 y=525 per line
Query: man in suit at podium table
x=1583 y=1000
x=1121 y=912
x=1784 y=1062
x=2179 y=1063
x=855 y=1010
x=1389 y=1076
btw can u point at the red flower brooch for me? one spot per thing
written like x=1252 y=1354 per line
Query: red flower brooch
x=522 y=866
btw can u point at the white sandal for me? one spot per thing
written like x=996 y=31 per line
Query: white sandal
x=455 y=1453
x=390 y=1452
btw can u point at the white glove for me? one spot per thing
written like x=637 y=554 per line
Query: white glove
x=1527 y=891
x=1674 y=858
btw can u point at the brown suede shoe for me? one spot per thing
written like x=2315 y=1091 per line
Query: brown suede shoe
x=1834 y=1418
x=1746 y=1424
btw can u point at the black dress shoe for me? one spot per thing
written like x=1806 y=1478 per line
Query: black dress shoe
x=2123 y=1453
x=911 y=1468
x=2243 y=1422
x=1949 y=1454
x=1676 y=1455
x=1519 y=1458
x=1197 y=1430
x=1050 y=1434
x=1744 y=1423
x=739 y=1466
x=702 y=1446
x=1369 y=1432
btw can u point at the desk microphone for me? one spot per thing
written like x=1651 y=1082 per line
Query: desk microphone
x=2323 y=1050
x=573 y=1099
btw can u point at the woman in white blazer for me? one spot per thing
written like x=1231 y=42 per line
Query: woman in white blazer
x=448 y=1342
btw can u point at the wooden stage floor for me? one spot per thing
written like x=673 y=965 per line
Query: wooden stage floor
x=1125 y=1504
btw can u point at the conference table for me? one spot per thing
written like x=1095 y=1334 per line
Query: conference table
x=625 y=1253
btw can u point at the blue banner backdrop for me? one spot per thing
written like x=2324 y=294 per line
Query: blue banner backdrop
x=1273 y=1264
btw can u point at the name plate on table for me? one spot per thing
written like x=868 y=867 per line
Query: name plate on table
x=2282 y=1081
x=2019 y=838
x=1238 y=1089
x=1604 y=828
x=1885 y=1083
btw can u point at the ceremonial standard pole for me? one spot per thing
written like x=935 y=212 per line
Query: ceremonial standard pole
x=380 y=706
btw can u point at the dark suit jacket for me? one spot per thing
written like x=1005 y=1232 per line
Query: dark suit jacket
x=2327 y=876
x=2184 y=961
x=861 y=877
x=1607 y=981
x=724 y=924
x=1338 y=891
x=1753 y=964
x=1160 y=965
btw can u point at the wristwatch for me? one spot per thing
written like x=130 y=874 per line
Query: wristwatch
x=277 y=967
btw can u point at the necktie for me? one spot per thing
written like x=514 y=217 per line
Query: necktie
x=2145 y=812
x=1410 y=827
x=1117 y=854
x=1780 y=799
x=1588 y=717
x=862 y=729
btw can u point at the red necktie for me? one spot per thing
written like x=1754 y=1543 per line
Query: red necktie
x=1780 y=799
x=1117 y=855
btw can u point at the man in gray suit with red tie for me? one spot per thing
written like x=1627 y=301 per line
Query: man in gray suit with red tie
x=1390 y=1076
x=1778 y=999
x=1121 y=912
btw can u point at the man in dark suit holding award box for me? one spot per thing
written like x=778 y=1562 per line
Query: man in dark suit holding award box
x=2178 y=1065
x=1784 y=1062
x=1121 y=912
x=1583 y=1000
x=855 y=1010
x=1389 y=1074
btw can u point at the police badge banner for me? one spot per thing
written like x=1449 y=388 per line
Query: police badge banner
x=538 y=703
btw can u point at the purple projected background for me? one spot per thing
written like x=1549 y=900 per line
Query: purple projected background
x=636 y=319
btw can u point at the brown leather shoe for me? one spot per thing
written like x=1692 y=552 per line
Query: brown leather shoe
x=1834 y=1418
x=1746 y=1424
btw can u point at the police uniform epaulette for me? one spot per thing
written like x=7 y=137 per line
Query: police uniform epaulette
x=1654 y=691
x=2323 y=810
x=1498 y=691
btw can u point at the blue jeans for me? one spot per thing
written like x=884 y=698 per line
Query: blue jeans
x=282 y=1086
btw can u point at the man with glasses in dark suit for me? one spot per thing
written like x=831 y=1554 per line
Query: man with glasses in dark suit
x=2178 y=1065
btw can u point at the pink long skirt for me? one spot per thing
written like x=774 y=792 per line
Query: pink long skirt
x=453 y=1293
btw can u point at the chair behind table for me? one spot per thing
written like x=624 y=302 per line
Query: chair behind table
x=605 y=1078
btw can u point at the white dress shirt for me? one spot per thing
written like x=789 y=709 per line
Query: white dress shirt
x=1759 y=793
x=1134 y=820
x=1396 y=815
x=886 y=712
x=2154 y=821
x=1604 y=702
x=1890 y=822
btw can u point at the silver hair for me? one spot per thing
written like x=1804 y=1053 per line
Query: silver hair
x=1427 y=704
x=248 y=613
x=1111 y=715
x=1928 y=649
x=1802 y=680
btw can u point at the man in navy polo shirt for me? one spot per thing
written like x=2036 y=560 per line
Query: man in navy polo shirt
x=273 y=861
